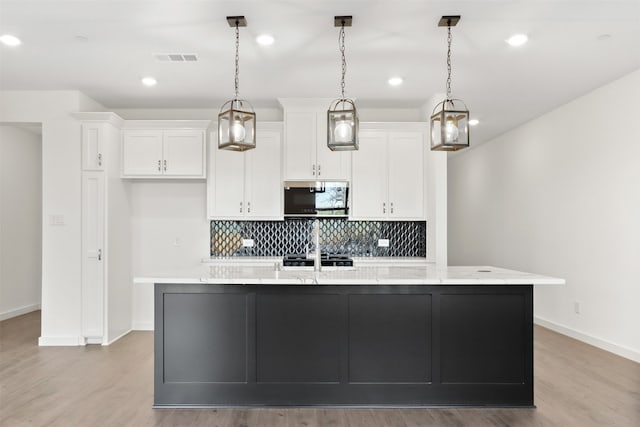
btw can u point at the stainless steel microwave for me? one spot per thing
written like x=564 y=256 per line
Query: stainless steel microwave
x=316 y=198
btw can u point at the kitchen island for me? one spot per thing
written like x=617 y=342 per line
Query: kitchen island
x=369 y=336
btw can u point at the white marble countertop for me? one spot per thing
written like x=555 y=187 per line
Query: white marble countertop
x=407 y=273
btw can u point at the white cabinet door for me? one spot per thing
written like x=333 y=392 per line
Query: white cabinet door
x=184 y=153
x=93 y=270
x=226 y=183
x=263 y=178
x=330 y=165
x=300 y=139
x=142 y=153
x=406 y=175
x=92 y=146
x=369 y=177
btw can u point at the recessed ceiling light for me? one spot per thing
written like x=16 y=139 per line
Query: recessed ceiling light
x=473 y=122
x=395 y=81
x=149 y=81
x=265 y=39
x=10 y=40
x=517 y=39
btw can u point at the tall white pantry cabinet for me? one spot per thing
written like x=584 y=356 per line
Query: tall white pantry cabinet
x=106 y=253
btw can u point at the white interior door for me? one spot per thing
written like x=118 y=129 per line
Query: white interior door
x=93 y=253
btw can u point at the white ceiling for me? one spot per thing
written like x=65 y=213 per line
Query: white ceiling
x=502 y=85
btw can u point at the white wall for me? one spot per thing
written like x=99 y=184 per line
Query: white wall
x=170 y=230
x=61 y=195
x=20 y=221
x=560 y=196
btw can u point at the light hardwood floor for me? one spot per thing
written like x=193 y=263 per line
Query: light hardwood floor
x=575 y=385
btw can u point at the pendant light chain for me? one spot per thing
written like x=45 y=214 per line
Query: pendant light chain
x=449 y=63
x=237 y=81
x=344 y=60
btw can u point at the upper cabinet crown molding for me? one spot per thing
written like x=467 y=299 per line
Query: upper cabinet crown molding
x=101 y=117
x=305 y=104
x=417 y=126
x=167 y=124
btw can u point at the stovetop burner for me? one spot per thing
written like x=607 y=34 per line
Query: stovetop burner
x=326 y=260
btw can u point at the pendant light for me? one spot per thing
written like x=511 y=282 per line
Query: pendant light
x=237 y=119
x=450 y=118
x=342 y=117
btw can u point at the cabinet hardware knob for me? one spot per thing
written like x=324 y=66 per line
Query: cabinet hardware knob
x=248 y=207
x=318 y=169
x=240 y=207
x=99 y=159
x=313 y=169
x=391 y=207
x=165 y=165
x=384 y=207
x=159 y=165
x=99 y=254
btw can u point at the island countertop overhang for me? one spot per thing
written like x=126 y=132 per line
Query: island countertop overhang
x=367 y=274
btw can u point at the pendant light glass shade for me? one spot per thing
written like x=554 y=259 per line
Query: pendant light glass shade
x=342 y=116
x=450 y=126
x=342 y=125
x=237 y=119
x=236 y=126
x=450 y=118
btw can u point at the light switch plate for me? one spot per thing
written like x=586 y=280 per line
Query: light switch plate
x=247 y=243
x=383 y=243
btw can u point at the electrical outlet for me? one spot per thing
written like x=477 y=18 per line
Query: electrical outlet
x=247 y=243
x=576 y=307
x=56 y=219
x=383 y=243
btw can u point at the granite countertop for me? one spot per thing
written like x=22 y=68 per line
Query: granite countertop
x=270 y=272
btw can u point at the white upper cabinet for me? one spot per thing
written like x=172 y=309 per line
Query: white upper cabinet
x=184 y=153
x=388 y=177
x=160 y=149
x=306 y=155
x=369 y=187
x=247 y=185
x=92 y=146
x=142 y=153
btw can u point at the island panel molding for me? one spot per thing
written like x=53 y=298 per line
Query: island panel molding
x=343 y=345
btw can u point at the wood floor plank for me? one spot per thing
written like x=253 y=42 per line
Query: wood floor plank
x=575 y=385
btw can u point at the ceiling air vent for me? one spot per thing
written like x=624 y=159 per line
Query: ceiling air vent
x=175 y=57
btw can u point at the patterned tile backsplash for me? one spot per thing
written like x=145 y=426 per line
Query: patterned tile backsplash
x=291 y=236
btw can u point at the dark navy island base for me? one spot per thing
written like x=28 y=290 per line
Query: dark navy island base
x=365 y=345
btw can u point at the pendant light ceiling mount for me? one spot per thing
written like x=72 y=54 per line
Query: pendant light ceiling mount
x=237 y=119
x=342 y=116
x=449 y=21
x=450 y=118
x=236 y=21
x=342 y=21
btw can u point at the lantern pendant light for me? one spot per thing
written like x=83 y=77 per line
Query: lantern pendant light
x=450 y=118
x=342 y=117
x=237 y=119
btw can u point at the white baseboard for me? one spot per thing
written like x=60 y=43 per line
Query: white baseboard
x=19 y=311
x=143 y=326
x=625 y=352
x=117 y=338
x=60 y=341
